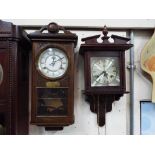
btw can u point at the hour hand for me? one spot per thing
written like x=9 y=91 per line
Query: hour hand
x=53 y=62
x=98 y=77
x=103 y=72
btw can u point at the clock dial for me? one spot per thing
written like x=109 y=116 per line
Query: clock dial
x=53 y=63
x=1 y=74
x=104 y=71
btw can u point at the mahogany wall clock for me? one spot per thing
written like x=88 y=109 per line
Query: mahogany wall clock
x=14 y=58
x=104 y=71
x=52 y=77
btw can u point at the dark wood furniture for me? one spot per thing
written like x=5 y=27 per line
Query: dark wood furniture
x=14 y=57
x=52 y=95
x=104 y=85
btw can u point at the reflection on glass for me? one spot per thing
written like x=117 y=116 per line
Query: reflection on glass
x=105 y=71
x=1 y=74
x=52 y=101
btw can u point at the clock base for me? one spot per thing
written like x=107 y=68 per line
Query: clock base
x=53 y=128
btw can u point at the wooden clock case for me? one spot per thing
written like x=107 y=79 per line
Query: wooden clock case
x=101 y=98
x=56 y=37
x=14 y=59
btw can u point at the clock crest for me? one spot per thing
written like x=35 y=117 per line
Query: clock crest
x=104 y=67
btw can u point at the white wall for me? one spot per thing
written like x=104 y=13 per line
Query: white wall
x=117 y=121
x=143 y=86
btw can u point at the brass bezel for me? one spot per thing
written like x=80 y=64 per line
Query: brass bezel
x=37 y=59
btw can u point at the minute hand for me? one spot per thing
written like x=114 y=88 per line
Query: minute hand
x=59 y=59
x=108 y=66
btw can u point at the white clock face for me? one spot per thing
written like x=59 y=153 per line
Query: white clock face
x=53 y=63
x=1 y=74
x=104 y=71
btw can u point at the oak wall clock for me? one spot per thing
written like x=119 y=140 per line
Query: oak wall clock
x=104 y=71
x=14 y=58
x=52 y=77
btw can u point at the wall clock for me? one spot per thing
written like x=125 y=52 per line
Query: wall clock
x=14 y=58
x=104 y=71
x=52 y=77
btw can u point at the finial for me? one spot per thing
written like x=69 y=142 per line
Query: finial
x=105 y=31
x=105 y=38
x=53 y=28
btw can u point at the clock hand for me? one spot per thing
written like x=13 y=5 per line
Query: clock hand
x=97 y=67
x=94 y=83
x=108 y=66
x=59 y=59
x=53 y=62
x=53 y=57
x=104 y=73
